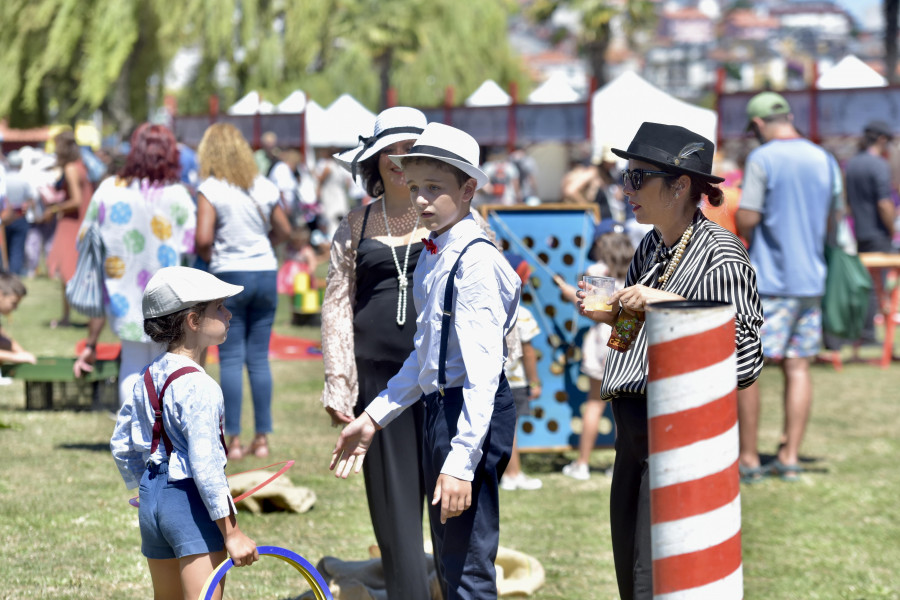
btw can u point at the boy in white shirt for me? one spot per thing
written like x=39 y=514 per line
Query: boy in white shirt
x=456 y=366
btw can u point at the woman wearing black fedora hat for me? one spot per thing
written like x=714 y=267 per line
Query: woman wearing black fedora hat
x=685 y=256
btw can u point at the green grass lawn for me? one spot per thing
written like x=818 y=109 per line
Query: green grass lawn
x=68 y=532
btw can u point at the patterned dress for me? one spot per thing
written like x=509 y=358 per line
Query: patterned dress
x=144 y=227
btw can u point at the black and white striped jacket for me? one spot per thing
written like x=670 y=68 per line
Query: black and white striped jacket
x=715 y=266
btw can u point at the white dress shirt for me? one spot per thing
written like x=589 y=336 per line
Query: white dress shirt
x=193 y=411
x=484 y=311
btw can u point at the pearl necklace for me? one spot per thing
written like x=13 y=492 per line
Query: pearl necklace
x=401 y=273
x=676 y=258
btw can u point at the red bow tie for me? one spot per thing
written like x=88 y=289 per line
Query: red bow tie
x=429 y=245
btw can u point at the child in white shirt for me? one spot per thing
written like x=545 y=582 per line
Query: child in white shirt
x=466 y=296
x=168 y=438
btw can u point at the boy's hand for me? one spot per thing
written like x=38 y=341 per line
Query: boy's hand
x=352 y=445
x=241 y=548
x=455 y=496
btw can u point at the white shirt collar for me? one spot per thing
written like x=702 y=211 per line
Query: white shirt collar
x=464 y=228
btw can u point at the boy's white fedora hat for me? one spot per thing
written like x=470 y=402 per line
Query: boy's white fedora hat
x=172 y=289
x=450 y=145
x=392 y=125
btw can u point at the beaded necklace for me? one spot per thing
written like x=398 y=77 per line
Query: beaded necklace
x=677 y=252
x=401 y=273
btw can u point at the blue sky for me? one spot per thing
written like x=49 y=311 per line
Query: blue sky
x=861 y=9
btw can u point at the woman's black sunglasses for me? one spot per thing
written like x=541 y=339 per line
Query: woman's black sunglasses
x=636 y=176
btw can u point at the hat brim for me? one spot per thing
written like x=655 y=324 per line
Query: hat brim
x=472 y=171
x=214 y=290
x=668 y=167
x=345 y=158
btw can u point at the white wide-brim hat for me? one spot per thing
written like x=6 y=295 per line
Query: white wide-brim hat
x=392 y=125
x=450 y=145
x=172 y=289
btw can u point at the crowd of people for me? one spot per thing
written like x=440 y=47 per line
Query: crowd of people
x=428 y=356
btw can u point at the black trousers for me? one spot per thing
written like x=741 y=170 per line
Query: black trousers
x=629 y=502
x=395 y=488
x=466 y=546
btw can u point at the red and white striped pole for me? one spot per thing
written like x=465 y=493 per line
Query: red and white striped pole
x=695 y=500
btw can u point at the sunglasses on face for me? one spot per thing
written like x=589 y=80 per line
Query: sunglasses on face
x=636 y=177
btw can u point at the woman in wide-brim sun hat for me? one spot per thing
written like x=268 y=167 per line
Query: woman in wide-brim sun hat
x=368 y=323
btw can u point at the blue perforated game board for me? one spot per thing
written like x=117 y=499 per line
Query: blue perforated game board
x=553 y=241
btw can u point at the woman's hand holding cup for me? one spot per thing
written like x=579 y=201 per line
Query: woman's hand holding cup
x=596 y=298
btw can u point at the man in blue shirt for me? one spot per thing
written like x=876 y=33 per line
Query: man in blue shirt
x=789 y=192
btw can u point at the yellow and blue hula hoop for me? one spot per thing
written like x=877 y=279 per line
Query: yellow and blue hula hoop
x=313 y=577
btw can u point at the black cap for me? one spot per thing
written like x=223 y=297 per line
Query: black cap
x=879 y=128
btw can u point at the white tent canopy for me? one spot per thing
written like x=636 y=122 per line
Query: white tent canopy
x=339 y=125
x=316 y=122
x=294 y=103
x=620 y=106
x=251 y=104
x=555 y=89
x=850 y=72
x=489 y=94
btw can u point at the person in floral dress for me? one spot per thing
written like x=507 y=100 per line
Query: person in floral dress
x=147 y=221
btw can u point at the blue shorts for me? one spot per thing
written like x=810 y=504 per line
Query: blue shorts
x=792 y=327
x=174 y=521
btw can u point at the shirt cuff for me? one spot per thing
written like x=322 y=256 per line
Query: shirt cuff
x=461 y=464
x=381 y=411
x=222 y=509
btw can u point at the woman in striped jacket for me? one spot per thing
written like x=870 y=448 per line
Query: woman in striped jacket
x=685 y=256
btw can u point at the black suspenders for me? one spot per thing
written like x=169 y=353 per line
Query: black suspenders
x=448 y=314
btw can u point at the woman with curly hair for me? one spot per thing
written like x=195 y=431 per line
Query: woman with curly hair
x=239 y=218
x=146 y=221
x=78 y=188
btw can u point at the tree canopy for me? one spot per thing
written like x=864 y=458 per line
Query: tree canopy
x=64 y=59
x=594 y=31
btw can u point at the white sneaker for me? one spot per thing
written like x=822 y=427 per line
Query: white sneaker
x=520 y=482
x=577 y=471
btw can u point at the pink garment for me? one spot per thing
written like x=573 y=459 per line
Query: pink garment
x=63 y=255
x=288 y=272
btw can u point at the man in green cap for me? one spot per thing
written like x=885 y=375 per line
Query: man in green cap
x=791 y=189
x=767 y=106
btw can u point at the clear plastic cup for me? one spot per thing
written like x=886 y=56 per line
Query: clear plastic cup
x=597 y=291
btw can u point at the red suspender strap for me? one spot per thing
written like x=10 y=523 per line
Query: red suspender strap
x=155 y=402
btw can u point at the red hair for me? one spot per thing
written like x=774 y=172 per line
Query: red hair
x=153 y=155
